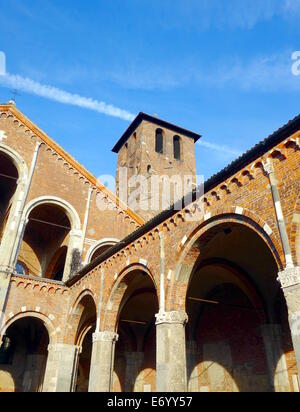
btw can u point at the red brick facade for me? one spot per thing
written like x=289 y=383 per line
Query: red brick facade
x=241 y=204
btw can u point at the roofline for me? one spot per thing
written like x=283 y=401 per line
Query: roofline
x=258 y=150
x=163 y=123
x=81 y=169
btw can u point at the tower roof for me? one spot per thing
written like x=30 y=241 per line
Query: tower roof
x=159 y=122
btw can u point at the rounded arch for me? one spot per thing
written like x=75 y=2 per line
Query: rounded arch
x=31 y=314
x=82 y=315
x=82 y=322
x=113 y=305
x=130 y=312
x=215 y=222
x=98 y=245
x=57 y=201
x=227 y=283
x=197 y=240
x=78 y=299
x=12 y=194
x=17 y=159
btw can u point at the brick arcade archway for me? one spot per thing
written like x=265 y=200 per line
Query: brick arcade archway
x=23 y=355
x=83 y=321
x=133 y=305
x=230 y=300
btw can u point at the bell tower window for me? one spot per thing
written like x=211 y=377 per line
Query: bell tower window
x=159 y=141
x=176 y=147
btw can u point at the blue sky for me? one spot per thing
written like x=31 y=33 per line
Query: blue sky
x=219 y=67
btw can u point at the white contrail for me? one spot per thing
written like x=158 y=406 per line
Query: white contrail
x=219 y=148
x=53 y=93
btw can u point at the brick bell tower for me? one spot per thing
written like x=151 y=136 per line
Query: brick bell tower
x=153 y=153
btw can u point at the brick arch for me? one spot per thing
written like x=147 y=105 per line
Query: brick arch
x=75 y=335
x=99 y=244
x=190 y=254
x=17 y=160
x=57 y=201
x=32 y=314
x=81 y=295
x=118 y=291
x=295 y=232
x=82 y=333
x=17 y=199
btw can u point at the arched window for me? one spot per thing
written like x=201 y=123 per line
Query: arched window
x=159 y=141
x=176 y=147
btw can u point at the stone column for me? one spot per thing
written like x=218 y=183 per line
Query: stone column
x=102 y=363
x=61 y=368
x=277 y=368
x=75 y=243
x=290 y=282
x=171 y=352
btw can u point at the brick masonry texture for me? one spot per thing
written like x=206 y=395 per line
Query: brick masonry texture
x=244 y=198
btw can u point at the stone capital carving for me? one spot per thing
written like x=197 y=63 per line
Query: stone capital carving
x=58 y=347
x=171 y=317
x=105 y=337
x=268 y=167
x=76 y=233
x=289 y=277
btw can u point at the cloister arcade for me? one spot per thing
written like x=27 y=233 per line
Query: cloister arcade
x=105 y=301
x=237 y=334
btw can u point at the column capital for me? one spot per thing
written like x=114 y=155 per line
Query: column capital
x=171 y=317
x=57 y=347
x=76 y=233
x=105 y=337
x=289 y=277
x=268 y=167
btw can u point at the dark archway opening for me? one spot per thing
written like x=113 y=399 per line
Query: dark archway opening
x=101 y=249
x=233 y=343
x=86 y=314
x=8 y=185
x=23 y=356
x=135 y=352
x=44 y=246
